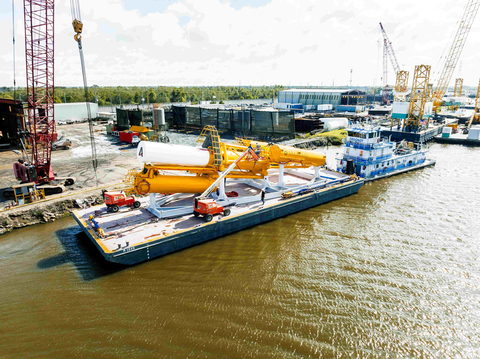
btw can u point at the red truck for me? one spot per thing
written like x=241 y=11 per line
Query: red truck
x=208 y=208
x=115 y=200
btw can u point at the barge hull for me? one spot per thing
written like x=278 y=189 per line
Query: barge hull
x=218 y=228
x=427 y=163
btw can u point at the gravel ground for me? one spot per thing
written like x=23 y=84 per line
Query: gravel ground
x=114 y=158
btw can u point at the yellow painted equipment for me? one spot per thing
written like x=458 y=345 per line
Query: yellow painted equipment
x=451 y=60
x=173 y=184
x=285 y=154
x=206 y=164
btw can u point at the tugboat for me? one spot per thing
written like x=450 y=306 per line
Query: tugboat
x=371 y=157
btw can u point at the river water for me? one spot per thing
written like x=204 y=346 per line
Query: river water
x=391 y=272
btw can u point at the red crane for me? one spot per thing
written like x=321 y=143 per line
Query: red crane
x=387 y=51
x=39 y=53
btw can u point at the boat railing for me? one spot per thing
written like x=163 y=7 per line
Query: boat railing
x=360 y=146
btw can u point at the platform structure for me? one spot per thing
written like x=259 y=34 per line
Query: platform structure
x=277 y=182
x=457 y=139
x=423 y=136
x=135 y=235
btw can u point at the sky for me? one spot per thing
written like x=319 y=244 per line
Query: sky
x=245 y=42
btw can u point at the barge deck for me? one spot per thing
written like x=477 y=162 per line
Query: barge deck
x=132 y=236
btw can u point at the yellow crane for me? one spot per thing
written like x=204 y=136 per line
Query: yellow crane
x=455 y=51
x=457 y=92
x=418 y=98
x=476 y=113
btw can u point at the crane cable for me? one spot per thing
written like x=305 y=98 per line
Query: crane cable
x=78 y=27
x=14 y=72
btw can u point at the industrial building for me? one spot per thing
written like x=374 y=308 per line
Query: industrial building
x=11 y=122
x=312 y=98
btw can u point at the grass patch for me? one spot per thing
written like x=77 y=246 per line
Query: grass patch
x=335 y=137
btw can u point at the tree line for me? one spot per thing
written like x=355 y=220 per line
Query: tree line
x=119 y=95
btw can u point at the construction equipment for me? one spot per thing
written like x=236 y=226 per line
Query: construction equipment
x=207 y=163
x=455 y=51
x=401 y=86
x=457 y=92
x=207 y=207
x=39 y=44
x=476 y=113
x=78 y=28
x=115 y=200
x=418 y=98
x=389 y=52
x=27 y=193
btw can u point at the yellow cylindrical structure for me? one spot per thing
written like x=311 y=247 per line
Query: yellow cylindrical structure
x=284 y=154
x=173 y=184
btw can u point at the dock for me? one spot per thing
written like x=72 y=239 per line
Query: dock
x=457 y=139
x=423 y=136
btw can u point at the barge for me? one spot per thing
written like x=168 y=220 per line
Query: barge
x=132 y=235
x=245 y=186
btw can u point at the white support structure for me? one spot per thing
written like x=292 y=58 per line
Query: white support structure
x=221 y=189
x=281 y=182
x=315 y=177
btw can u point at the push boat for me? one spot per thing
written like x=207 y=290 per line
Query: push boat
x=371 y=157
x=251 y=183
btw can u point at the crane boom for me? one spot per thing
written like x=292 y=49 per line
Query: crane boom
x=39 y=51
x=388 y=52
x=476 y=114
x=78 y=28
x=389 y=49
x=455 y=51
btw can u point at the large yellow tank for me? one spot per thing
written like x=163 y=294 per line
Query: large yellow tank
x=173 y=184
x=285 y=154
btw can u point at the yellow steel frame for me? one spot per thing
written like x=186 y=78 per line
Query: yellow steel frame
x=418 y=96
x=401 y=84
x=430 y=92
x=457 y=92
x=476 y=114
x=455 y=51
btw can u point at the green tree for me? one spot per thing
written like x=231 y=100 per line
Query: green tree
x=152 y=97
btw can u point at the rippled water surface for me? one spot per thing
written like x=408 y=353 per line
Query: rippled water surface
x=391 y=272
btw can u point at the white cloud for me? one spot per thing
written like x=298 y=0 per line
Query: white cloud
x=209 y=42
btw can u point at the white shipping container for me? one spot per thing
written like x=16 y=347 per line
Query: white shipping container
x=325 y=107
x=76 y=111
x=474 y=133
x=281 y=105
x=335 y=123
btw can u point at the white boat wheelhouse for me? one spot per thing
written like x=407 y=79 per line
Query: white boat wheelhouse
x=370 y=155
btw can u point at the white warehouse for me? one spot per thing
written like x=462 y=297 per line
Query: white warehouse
x=76 y=111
